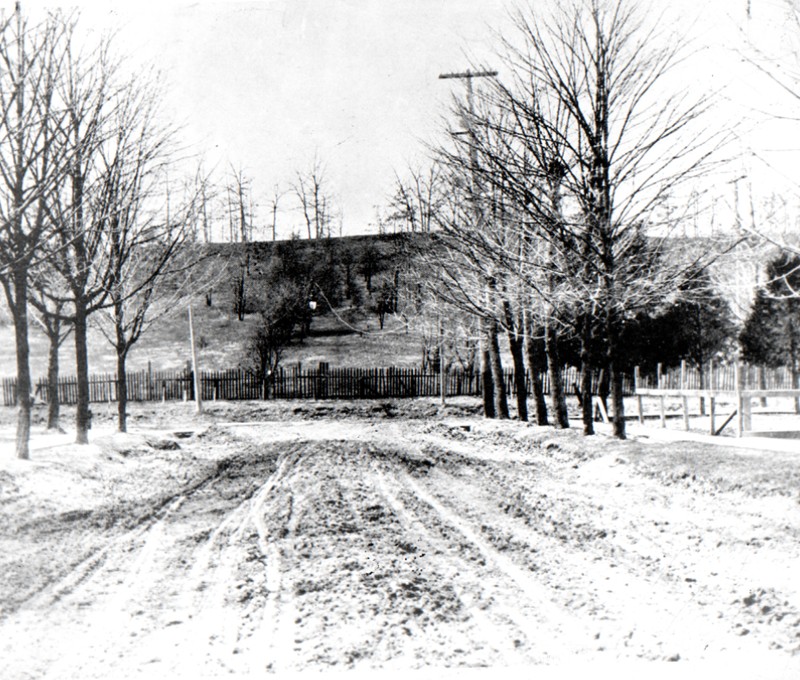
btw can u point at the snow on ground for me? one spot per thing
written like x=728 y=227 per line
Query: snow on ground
x=395 y=537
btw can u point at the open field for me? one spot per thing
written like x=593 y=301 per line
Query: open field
x=221 y=339
x=281 y=538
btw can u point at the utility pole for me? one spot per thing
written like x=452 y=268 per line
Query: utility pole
x=197 y=383
x=469 y=76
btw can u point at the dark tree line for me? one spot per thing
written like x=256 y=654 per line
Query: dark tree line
x=771 y=334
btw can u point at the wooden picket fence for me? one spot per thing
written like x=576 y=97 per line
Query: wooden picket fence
x=286 y=383
x=718 y=377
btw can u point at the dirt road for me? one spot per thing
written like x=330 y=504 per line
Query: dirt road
x=333 y=545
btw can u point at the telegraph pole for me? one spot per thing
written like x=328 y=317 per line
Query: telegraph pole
x=468 y=76
x=198 y=399
x=488 y=388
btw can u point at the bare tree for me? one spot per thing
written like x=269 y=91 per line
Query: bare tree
x=275 y=198
x=147 y=258
x=240 y=202
x=80 y=211
x=31 y=164
x=50 y=311
x=781 y=70
x=586 y=146
x=316 y=204
x=241 y=229
x=206 y=193
x=417 y=199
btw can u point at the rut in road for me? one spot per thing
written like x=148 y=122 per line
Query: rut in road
x=609 y=566
x=155 y=595
x=363 y=552
x=378 y=573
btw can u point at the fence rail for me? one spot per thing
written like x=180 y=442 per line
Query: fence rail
x=286 y=383
x=720 y=378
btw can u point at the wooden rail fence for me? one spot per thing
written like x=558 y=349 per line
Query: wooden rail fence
x=737 y=383
x=286 y=383
x=718 y=377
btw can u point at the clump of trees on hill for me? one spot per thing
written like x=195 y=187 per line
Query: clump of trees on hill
x=289 y=282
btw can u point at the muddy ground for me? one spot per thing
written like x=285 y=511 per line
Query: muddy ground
x=264 y=539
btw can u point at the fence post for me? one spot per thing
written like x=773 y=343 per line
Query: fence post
x=737 y=379
x=748 y=401
x=662 y=403
x=684 y=398
x=638 y=396
x=712 y=401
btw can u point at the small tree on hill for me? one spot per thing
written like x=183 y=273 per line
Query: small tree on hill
x=283 y=309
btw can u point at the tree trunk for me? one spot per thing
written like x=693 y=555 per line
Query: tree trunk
x=487 y=384
x=515 y=345
x=585 y=387
x=762 y=385
x=615 y=376
x=239 y=301
x=604 y=387
x=82 y=417
x=535 y=364
x=517 y=356
x=558 y=401
x=794 y=375
x=19 y=307
x=53 y=400
x=500 y=399
x=122 y=391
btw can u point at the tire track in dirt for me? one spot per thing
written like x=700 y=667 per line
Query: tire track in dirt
x=162 y=596
x=263 y=645
x=486 y=626
x=632 y=606
x=538 y=617
x=499 y=627
x=365 y=587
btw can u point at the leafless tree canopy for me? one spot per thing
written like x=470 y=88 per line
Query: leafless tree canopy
x=315 y=200
x=561 y=172
x=84 y=163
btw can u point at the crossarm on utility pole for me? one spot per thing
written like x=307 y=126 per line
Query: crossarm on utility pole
x=468 y=74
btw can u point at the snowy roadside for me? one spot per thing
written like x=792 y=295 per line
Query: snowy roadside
x=395 y=538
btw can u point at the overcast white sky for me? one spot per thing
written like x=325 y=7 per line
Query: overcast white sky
x=265 y=85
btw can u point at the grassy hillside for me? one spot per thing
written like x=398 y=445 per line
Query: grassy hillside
x=221 y=336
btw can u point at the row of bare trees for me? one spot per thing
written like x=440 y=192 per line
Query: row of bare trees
x=230 y=212
x=550 y=200
x=91 y=222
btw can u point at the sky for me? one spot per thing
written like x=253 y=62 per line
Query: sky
x=269 y=86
